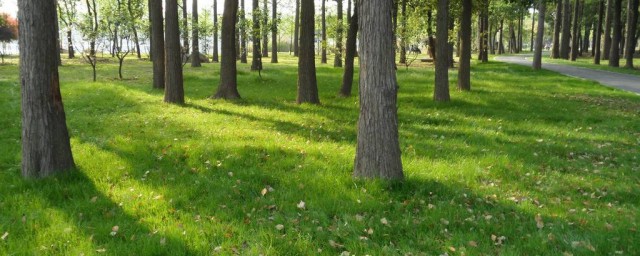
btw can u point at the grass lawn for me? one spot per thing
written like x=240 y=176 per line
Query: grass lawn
x=528 y=163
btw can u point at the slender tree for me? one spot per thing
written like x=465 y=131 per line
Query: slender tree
x=195 y=40
x=632 y=23
x=265 y=29
x=557 y=26
x=215 y=31
x=441 y=89
x=256 y=56
x=598 y=35
x=352 y=34
x=307 y=83
x=464 y=70
x=157 y=47
x=296 y=33
x=378 y=149
x=68 y=14
x=337 y=61
x=243 y=33
x=323 y=45
x=274 y=31
x=533 y=25
x=135 y=13
x=185 y=25
x=537 y=56
x=173 y=88
x=403 y=32
x=228 y=87
x=45 y=139
x=616 y=26
x=575 y=38
x=566 y=30
x=607 y=30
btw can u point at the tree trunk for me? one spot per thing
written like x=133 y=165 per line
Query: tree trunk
x=274 y=31
x=185 y=25
x=519 y=38
x=480 y=35
x=157 y=48
x=441 y=89
x=500 y=42
x=464 y=70
x=557 y=26
x=256 y=56
x=347 y=77
x=566 y=30
x=378 y=149
x=265 y=29
x=533 y=25
x=607 y=30
x=598 y=35
x=215 y=32
x=307 y=83
x=537 y=55
x=323 y=45
x=228 y=88
x=243 y=33
x=173 y=89
x=431 y=41
x=337 y=61
x=195 y=41
x=575 y=38
x=485 y=36
x=587 y=36
x=632 y=22
x=70 y=43
x=136 y=40
x=614 y=53
x=45 y=139
x=403 y=33
x=296 y=36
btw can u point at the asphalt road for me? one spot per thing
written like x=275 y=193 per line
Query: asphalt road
x=621 y=81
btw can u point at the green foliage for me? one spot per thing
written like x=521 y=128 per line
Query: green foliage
x=8 y=28
x=529 y=163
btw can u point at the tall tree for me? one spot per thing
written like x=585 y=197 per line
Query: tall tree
x=566 y=30
x=265 y=29
x=598 y=34
x=533 y=25
x=135 y=13
x=616 y=27
x=337 y=61
x=243 y=33
x=68 y=14
x=173 y=89
x=464 y=70
x=378 y=149
x=537 y=55
x=228 y=87
x=352 y=34
x=256 y=56
x=215 y=31
x=45 y=139
x=274 y=31
x=323 y=45
x=441 y=89
x=607 y=30
x=557 y=26
x=185 y=25
x=632 y=23
x=157 y=47
x=195 y=40
x=575 y=38
x=296 y=33
x=307 y=83
x=403 y=32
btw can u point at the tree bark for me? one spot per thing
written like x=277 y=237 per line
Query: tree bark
x=265 y=29
x=173 y=89
x=441 y=89
x=296 y=35
x=274 y=31
x=323 y=45
x=500 y=42
x=136 y=40
x=607 y=30
x=403 y=32
x=352 y=33
x=481 y=31
x=337 y=61
x=632 y=23
x=157 y=47
x=307 y=83
x=215 y=31
x=598 y=35
x=256 y=56
x=575 y=38
x=566 y=30
x=533 y=25
x=614 y=53
x=485 y=36
x=557 y=26
x=195 y=41
x=228 y=88
x=464 y=70
x=378 y=149
x=537 y=55
x=243 y=33
x=45 y=138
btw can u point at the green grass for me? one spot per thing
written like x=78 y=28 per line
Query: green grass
x=587 y=62
x=180 y=180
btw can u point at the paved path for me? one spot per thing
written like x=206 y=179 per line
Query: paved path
x=621 y=81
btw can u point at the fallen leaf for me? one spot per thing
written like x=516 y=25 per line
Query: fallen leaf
x=101 y=250
x=370 y=231
x=163 y=241
x=94 y=199
x=301 y=205
x=539 y=222
x=114 y=230
x=4 y=236
x=473 y=243
x=359 y=217
x=279 y=227
x=334 y=244
x=451 y=248
x=384 y=221
x=264 y=191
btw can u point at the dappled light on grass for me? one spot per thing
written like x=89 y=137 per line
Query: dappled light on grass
x=483 y=172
